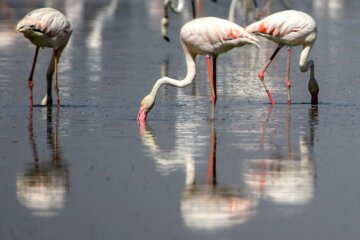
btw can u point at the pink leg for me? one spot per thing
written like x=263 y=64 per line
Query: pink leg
x=212 y=77
x=56 y=79
x=287 y=81
x=261 y=74
x=30 y=81
x=199 y=8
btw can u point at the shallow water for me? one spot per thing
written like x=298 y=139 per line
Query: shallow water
x=87 y=170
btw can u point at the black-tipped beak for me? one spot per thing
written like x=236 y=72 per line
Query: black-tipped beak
x=166 y=38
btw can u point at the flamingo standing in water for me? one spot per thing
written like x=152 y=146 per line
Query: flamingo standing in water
x=202 y=36
x=196 y=6
x=289 y=28
x=46 y=27
x=165 y=19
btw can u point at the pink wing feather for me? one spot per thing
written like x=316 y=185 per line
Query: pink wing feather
x=286 y=27
x=210 y=35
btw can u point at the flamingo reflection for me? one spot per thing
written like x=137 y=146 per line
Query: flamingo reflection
x=43 y=185
x=210 y=205
x=285 y=178
x=94 y=40
x=214 y=206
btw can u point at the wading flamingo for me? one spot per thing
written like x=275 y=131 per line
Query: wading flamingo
x=202 y=36
x=46 y=27
x=165 y=19
x=248 y=5
x=196 y=6
x=289 y=28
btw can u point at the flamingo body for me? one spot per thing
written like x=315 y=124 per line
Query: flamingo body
x=289 y=28
x=46 y=27
x=212 y=36
x=202 y=36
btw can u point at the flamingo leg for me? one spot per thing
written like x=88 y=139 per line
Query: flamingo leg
x=193 y=6
x=212 y=159
x=56 y=79
x=212 y=77
x=257 y=13
x=30 y=81
x=261 y=74
x=165 y=23
x=199 y=8
x=287 y=81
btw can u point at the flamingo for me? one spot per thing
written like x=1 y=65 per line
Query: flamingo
x=202 y=36
x=196 y=10
x=165 y=19
x=289 y=28
x=46 y=27
x=248 y=5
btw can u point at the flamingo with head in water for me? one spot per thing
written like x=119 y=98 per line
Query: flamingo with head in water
x=202 y=36
x=46 y=27
x=289 y=28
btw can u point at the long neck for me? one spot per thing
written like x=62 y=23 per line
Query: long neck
x=191 y=70
x=305 y=65
x=175 y=9
x=312 y=85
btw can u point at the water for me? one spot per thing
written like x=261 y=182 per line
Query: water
x=88 y=171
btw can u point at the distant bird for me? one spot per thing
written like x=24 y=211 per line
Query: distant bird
x=248 y=5
x=165 y=19
x=289 y=28
x=46 y=27
x=267 y=8
x=196 y=6
x=202 y=36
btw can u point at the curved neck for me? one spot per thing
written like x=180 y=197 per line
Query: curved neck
x=304 y=64
x=312 y=85
x=312 y=69
x=191 y=70
x=175 y=9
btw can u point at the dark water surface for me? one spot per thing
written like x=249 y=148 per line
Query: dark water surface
x=88 y=171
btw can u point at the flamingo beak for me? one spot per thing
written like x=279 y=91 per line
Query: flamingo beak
x=164 y=28
x=142 y=114
x=314 y=98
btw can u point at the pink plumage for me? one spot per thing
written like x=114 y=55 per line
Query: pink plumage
x=212 y=36
x=202 y=36
x=289 y=28
x=46 y=27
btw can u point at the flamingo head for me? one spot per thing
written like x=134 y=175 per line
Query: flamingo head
x=146 y=105
x=164 y=28
x=313 y=89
